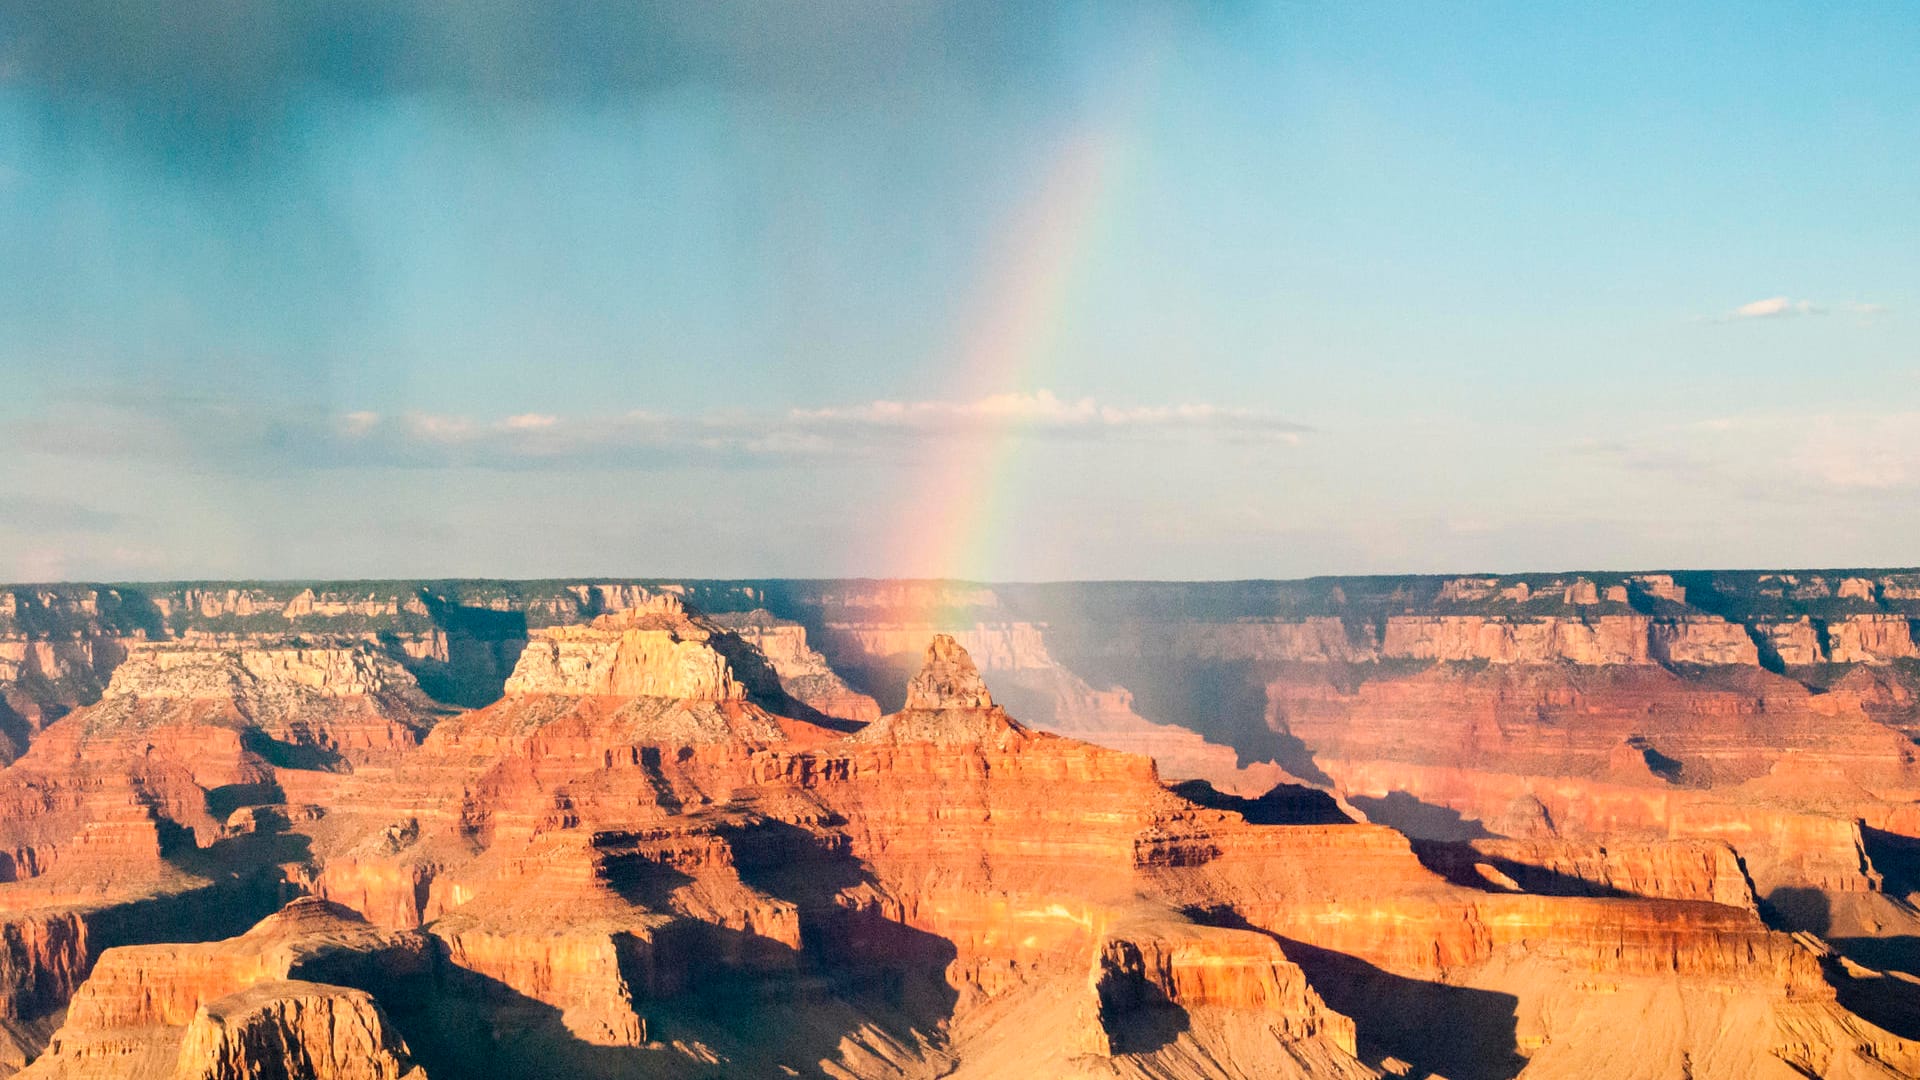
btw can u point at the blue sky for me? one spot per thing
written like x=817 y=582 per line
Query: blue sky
x=358 y=289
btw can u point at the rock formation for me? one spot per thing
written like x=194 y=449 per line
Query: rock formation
x=652 y=651
x=592 y=829
x=297 y=1030
x=237 y=1008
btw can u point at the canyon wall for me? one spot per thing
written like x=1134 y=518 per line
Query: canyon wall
x=568 y=828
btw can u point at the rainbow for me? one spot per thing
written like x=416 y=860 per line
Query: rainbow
x=1002 y=364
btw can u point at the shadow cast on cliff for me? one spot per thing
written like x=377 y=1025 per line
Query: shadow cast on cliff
x=258 y=854
x=15 y=733
x=708 y=1020
x=1224 y=701
x=298 y=756
x=1456 y=861
x=815 y=875
x=858 y=952
x=1418 y=820
x=1284 y=804
x=1148 y=1023
x=764 y=688
x=755 y=1000
x=1882 y=1000
x=1793 y=907
x=1896 y=857
x=882 y=678
x=1898 y=953
x=483 y=645
x=640 y=881
x=1453 y=1031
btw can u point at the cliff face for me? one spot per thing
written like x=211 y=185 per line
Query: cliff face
x=800 y=671
x=296 y=1030
x=1702 y=871
x=188 y=671
x=231 y=1009
x=654 y=651
x=1871 y=639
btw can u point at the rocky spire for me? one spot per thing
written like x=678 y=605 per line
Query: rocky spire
x=946 y=703
x=948 y=679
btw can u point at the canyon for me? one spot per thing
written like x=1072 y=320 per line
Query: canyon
x=1471 y=827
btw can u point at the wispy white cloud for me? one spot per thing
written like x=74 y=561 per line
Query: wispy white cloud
x=1785 y=307
x=1774 y=307
x=222 y=434
x=1044 y=413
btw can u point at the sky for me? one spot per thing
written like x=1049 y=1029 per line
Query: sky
x=982 y=289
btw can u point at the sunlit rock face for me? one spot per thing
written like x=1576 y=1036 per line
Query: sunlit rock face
x=1345 y=828
x=947 y=680
x=650 y=651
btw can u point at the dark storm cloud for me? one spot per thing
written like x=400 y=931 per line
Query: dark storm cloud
x=224 y=74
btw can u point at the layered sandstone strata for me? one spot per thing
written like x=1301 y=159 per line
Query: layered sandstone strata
x=221 y=1008
x=1139 y=968
x=1704 y=871
x=652 y=651
x=296 y=1030
x=1796 y=642
x=1609 y=639
x=1871 y=639
x=189 y=671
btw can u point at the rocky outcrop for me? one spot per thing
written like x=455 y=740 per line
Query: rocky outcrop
x=1708 y=642
x=142 y=986
x=1871 y=639
x=651 y=651
x=43 y=957
x=1796 y=642
x=1593 y=641
x=1186 y=967
x=948 y=679
x=232 y=1003
x=296 y=667
x=295 y=1030
x=577 y=971
x=947 y=703
x=1660 y=587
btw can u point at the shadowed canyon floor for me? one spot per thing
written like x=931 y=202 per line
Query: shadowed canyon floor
x=1655 y=825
